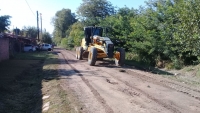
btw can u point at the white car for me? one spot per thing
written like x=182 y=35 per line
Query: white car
x=29 y=47
x=47 y=47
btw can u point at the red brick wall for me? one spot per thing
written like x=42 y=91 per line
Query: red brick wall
x=4 y=49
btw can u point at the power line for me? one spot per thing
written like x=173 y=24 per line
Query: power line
x=30 y=8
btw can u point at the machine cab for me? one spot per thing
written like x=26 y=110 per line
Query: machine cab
x=90 y=32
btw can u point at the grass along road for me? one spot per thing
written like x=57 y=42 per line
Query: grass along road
x=30 y=83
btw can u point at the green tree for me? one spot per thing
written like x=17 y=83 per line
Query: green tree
x=92 y=11
x=162 y=30
x=46 y=38
x=178 y=22
x=153 y=29
x=62 y=21
x=29 y=31
x=76 y=33
x=67 y=43
x=171 y=28
x=57 y=40
x=64 y=43
x=188 y=29
x=4 y=22
x=118 y=25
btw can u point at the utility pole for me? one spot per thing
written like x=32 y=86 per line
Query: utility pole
x=38 y=26
x=41 y=23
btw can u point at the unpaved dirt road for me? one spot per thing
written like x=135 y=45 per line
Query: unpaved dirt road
x=105 y=88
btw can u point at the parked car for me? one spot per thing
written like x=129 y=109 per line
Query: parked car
x=47 y=47
x=29 y=47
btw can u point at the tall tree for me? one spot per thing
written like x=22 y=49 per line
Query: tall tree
x=92 y=11
x=46 y=38
x=62 y=21
x=76 y=33
x=4 y=22
x=29 y=31
x=118 y=25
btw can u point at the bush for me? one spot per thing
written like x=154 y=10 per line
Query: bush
x=67 y=43
x=178 y=63
x=64 y=43
x=133 y=57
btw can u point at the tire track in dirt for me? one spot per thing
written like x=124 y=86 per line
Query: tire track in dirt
x=194 y=93
x=101 y=100
x=165 y=105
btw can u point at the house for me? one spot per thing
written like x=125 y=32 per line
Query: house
x=11 y=44
x=4 y=47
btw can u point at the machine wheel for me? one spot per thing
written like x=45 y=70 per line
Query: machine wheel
x=92 y=56
x=77 y=52
x=119 y=61
x=80 y=53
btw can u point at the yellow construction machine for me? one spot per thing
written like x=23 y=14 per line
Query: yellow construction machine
x=96 y=47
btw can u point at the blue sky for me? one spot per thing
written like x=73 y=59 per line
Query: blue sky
x=22 y=15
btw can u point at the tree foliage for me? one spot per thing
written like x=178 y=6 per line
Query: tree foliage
x=62 y=21
x=92 y=11
x=4 y=22
x=46 y=38
x=162 y=30
x=32 y=32
x=64 y=43
x=29 y=31
x=76 y=33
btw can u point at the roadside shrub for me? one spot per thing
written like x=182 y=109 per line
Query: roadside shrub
x=57 y=40
x=132 y=56
x=70 y=42
x=169 y=65
x=67 y=43
x=142 y=60
x=64 y=43
x=178 y=63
